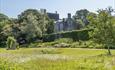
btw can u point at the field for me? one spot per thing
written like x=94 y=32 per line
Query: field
x=56 y=59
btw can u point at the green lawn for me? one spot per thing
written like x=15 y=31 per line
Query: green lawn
x=56 y=59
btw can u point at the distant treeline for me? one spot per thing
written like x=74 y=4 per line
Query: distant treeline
x=33 y=26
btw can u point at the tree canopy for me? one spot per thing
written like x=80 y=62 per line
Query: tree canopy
x=81 y=15
x=33 y=24
x=104 y=29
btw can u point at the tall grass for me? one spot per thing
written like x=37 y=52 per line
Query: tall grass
x=7 y=65
x=93 y=63
x=56 y=59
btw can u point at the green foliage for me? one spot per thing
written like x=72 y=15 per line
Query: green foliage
x=50 y=27
x=32 y=45
x=104 y=30
x=3 y=17
x=61 y=42
x=4 y=21
x=87 y=44
x=56 y=59
x=5 y=29
x=64 y=40
x=7 y=65
x=80 y=23
x=31 y=22
x=11 y=43
x=80 y=16
x=80 y=44
x=75 y=35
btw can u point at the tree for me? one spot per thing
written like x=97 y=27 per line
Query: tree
x=81 y=15
x=104 y=30
x=92 y=19
x=32 y=24
x=5 y=27
x=50 y=26
x=3 y=21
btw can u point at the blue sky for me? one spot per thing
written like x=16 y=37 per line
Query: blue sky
x=14 y=7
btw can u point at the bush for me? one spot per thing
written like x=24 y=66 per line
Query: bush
x=64 y=40
x=11 y=43
x=62 y=45
x=33 y=45
x=86 y=44
x=76 y=35
x=75 y=45
x=92 y=44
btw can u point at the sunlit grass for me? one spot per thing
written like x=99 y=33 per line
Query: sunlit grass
x=56 y=59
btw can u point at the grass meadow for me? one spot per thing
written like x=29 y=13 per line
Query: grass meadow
x=56 y=59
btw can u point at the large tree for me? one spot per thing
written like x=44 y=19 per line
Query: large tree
x=104 y=29
x=81 y=15
x=3 y=21
x=50 y=26
x=32 y=24
x=5 y=27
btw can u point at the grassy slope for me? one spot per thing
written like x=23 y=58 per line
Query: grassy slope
x=59 y=59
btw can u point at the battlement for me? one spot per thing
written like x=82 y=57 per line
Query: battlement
x=54 y=16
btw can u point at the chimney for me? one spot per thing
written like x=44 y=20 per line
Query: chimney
x=43 y=11
x=69 y=15
x=56 y=12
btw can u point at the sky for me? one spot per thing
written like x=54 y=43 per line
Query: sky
x=12 y=8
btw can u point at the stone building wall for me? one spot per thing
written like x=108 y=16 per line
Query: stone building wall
x=66 y=24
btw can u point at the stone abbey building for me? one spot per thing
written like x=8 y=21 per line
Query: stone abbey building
x=65 y=24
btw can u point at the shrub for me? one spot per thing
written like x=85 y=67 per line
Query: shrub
x=33 y=45
x=64 y=40
x=75 y=45
x=62 y=45
x=86 y=44
x=11 y=43
x=92 y=44
x=75 y=35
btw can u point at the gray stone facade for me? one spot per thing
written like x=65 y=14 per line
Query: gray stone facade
x=54 y=16
x=65 y=24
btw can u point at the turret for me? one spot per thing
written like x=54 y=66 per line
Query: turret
x=43 y=11
x=69 y=15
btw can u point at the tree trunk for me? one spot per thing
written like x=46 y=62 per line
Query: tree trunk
x=109 y=52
